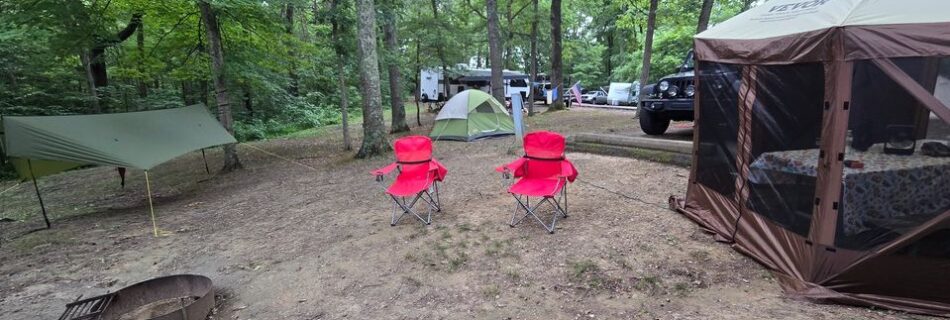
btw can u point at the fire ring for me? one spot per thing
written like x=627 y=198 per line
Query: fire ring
x=176 y=297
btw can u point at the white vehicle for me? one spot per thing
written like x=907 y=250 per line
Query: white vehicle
x=432 y=88
x=430 y=85
x=623 y=93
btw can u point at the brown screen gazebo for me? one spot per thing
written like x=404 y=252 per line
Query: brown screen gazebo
x=820 y=147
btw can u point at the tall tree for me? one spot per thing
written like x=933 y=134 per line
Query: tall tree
x=337 y=23
x=439 y=49
x=392 y=62
x=494 y=51
x=557 y=68
x=97 y=60
x=374 y=129
x=534 y=54
x=140 y=63
x=648 y=44
x=704 y=14
x=231 y=161
x=293 y=87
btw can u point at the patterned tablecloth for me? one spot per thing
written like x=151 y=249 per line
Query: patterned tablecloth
x=891 y=191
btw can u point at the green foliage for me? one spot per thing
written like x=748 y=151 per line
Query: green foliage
x=42 y=73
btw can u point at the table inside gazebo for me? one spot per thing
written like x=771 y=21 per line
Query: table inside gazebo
x=891 y=191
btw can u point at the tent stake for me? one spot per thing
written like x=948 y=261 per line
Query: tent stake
x=151 y=209
x=38 y=196
x=208 y=170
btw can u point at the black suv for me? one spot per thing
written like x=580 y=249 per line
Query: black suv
x=669 y=99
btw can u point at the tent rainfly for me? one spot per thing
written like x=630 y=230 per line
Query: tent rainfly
x=42 y=145
x=472 y=114
x=821 y=147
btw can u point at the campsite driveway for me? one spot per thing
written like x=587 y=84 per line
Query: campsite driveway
x=307 y=236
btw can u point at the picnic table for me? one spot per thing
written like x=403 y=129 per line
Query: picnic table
x=893 y=191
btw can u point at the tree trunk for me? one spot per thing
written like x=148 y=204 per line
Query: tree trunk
x=97 y=59
x=648 y=44
x=140 y=46
x=336 y=30
x=418 y=83
x=704 y=16
x=557 y=77
x=231 y=161
x=439 y=50
x=534 y=55
x=392 y=62
x=91 y=82
x=374 y=129
x=293 y=87
x=494 y=52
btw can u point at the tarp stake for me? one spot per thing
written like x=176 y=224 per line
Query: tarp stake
x=38 y=196
x=151 y=209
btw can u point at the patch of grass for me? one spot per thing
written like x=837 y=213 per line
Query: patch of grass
x=465 y=227
x=40 y=239
x=458 y=261
x=581 y=268
x=681 y=289
x=699 y=255
x=490 y=291
x=500 y=248
x=512 y=274
x=648 y=283
x=446 y=235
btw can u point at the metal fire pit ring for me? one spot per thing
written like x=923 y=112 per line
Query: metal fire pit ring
x=114 y=305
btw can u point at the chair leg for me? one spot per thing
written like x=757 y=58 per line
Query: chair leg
x=407 y=208
x=530 y=211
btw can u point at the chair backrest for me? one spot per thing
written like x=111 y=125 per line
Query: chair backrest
x=413 y=149
x=544 y=145
x=544 y=151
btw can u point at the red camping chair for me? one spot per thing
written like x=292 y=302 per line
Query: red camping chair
x=419 y=175
x=542 y=172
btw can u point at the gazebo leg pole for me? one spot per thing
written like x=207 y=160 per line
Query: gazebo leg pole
x=38 y=196
x=151 y=209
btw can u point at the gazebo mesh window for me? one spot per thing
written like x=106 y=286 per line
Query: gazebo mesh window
x=718 y=130
x=895 y=184
x=786 y=125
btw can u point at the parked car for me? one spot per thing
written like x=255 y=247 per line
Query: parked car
x=590 y=96
x=669 y=99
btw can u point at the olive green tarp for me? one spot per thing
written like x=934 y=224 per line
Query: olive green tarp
x=138 y=140
x=470 y=115
x=44 y=145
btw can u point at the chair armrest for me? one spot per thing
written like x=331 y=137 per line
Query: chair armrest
x=385 y=170
x=513 y=167
x=568 y=171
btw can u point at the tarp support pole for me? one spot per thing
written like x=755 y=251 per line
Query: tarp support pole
x=151 y=209
x=38 y=196
x=208 y=170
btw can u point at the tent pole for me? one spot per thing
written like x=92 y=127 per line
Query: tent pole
x=38 y=196
x=208 y=170
x=151 y=209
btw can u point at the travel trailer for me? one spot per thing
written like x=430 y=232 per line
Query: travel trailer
x=431 y=83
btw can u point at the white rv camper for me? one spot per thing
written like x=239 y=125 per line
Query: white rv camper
x=623 y=94
x=431 y=85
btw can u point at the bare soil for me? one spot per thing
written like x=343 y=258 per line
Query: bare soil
x=306 y=235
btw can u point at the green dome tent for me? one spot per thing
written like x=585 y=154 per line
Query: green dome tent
x=470 y=115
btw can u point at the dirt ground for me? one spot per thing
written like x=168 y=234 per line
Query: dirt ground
x=306 y=235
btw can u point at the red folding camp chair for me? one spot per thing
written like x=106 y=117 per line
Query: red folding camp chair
x=542 y=172
x=419 y=177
